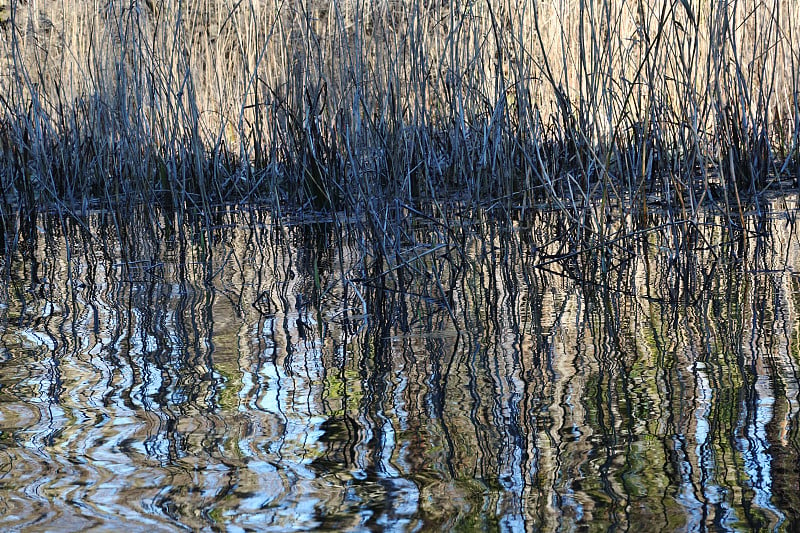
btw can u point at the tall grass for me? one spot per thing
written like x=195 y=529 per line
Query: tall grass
x=347 y=103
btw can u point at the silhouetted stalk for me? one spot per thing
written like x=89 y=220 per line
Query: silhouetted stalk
x=350 y=104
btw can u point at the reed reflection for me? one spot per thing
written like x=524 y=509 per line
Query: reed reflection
x=518 y=373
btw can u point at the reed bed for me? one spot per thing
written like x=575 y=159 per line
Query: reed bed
x=337 y=105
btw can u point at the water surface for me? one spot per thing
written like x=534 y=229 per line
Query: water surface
x=476 y=372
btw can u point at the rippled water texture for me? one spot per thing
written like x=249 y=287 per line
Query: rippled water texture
x=469 y=372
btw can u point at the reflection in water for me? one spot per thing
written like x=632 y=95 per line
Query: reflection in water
x=534 y=374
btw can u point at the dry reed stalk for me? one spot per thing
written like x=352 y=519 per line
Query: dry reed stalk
x=334 y=103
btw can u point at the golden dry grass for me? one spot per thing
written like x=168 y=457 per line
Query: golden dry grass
x=332 y=102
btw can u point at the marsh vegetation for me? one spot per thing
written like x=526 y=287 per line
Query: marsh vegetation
x=483 y=265
x=335 y=104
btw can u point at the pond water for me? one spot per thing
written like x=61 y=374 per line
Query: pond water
x=401 y=372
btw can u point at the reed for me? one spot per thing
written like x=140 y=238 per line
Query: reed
x=346 y=104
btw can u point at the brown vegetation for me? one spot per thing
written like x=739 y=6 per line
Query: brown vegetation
x=332 y=104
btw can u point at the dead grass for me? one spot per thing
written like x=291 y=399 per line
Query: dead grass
x=349 y=103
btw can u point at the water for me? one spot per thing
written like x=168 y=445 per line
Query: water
x=477 y=372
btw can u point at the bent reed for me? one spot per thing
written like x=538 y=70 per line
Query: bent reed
x=329 y=105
